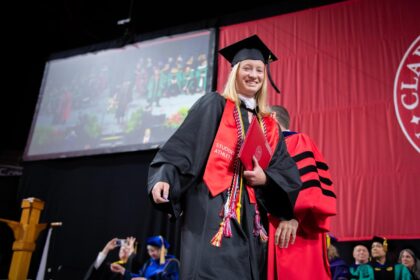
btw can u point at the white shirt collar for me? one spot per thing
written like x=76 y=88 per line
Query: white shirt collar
x=249 y=102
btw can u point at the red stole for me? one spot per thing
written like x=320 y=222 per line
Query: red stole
x=219 y=171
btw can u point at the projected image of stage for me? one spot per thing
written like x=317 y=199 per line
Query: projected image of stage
x=131 y=98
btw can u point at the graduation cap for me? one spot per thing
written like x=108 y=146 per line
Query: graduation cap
x=381 y=240
x=362 y=243
x=160 y=242
x=250 y=48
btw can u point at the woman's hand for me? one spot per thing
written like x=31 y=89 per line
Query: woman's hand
x=117 y=268
x=110 y=246
x=130 y=244
x=255 y=177
x=285 y=232
x=160 y=192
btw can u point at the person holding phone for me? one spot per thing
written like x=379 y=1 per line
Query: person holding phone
x=101 y=268
x=160 y=266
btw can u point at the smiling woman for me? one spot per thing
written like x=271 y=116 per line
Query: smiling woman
x=409 y=260
x=199 y=165
x=250 y=77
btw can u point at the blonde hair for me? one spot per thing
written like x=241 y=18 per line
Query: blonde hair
x=332 y=252
x=261 y=97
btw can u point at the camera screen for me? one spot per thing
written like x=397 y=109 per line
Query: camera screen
x=121 y=242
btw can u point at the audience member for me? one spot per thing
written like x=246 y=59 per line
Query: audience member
x=339 y=268
x=383 y=268
x=101 y=268
x=160 y=266
x=360 y=269
x=409 y=260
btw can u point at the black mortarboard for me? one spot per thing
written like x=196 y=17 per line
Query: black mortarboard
x=250 y=48
x=381 y=240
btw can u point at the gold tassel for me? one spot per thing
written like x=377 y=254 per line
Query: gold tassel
x=217 y=238
x=328 y=240
x=239 y=205
x=385 y=244
x=162 y=252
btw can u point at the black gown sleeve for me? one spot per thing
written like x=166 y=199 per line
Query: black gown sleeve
x=90 y=274
x=278 y=196
x=182 y=160
x=96 y=274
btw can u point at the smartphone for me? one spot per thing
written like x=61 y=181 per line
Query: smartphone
x=120 y=242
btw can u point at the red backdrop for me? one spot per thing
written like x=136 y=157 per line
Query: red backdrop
x=337 y=69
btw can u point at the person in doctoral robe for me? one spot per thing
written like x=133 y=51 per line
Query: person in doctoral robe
x=408 y=259
x=198 y=176
x=360 y=269
x=338 y=267
x=160 y=266
x=314 y=207
x=383 y=267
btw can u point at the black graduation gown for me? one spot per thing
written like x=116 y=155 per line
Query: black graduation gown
x=181 y=163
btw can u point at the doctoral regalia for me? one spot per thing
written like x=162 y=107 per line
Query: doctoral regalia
x=315 y=204
x=388 y=271
x=153 y=270
x=361 y=272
